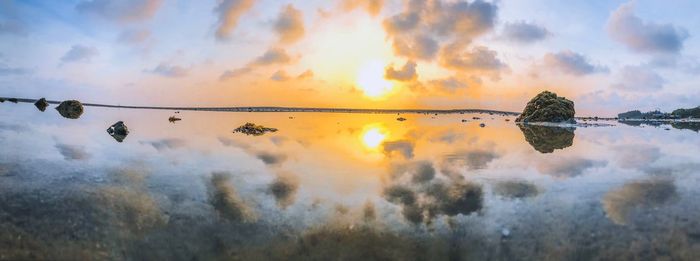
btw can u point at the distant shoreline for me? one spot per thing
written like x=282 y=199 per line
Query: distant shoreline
x=285 y=109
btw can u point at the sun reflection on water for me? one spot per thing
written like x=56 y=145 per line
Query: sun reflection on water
x=373 y=136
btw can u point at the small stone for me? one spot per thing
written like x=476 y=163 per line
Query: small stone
x=400 y=119
x=41 y=104
x=118 y=131
x=70 y=109
x=482 y=125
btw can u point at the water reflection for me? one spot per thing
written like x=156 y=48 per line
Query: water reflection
x=546 y=139
x=638 y=196
x=331 y=186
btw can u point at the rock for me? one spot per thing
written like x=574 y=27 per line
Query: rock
x=546 y=139
x=548 y=107
x=173 y=119
x=41 y=104
x=118 y=131
x=13 y=100
x=252 y=129
x=400 y=119
x=482 y=125
x=2 y=99
x=70 y=109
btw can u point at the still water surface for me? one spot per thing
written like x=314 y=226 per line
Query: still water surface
x=342 y=187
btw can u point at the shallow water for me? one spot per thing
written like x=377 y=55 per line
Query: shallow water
x=342 y=186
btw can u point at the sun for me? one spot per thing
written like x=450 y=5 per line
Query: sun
x=370 y=78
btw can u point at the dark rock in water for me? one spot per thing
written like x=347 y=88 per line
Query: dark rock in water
x=41 y=104
x=252 y=129
x=173 y=119
x=400 y=119
x=548 y=107
x=546 y=139
x=12 y=100
x=118 y=131
x=70 y=109
x=2 y=100
x=482 y=125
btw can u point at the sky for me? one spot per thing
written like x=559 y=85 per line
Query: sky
x=606 y=56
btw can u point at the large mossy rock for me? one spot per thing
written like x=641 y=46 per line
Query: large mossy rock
x=70 y=109
x=548 y=107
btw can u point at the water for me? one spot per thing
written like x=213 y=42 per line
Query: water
x=342 y=186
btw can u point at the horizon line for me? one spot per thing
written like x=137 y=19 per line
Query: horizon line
x=279 y=108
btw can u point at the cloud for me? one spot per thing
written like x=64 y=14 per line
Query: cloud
x=479 y=59
x=170 y=71
x=120 y=10
x=71 y=152
x=415 y=32
x=524 y=32
x=450 y=84
x=290 y=25
x=280 y=76
x=644 y=37
x=272 y=56
x=421 y=47
x=134 y=36
x=79 y=53
x=403 y=147
x=638 y=195
x=572 y=63
x=270 y=158
x=636 y=155
x=229 y=12
x=226 y=201
x=6 y=70
x=639 y=79
x=229 y=74
x=306 y=75
x=284 y=189
x=12 y=28
x=407 y=73
x=515 y=189
x=568 y=167
x=165 y=144
x=373 y=7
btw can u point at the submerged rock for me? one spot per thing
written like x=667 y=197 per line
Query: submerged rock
x=118 y=131
x=400 y=119
x=41 y=104
x=546 y=139
x=70 y=109
x=252 y=129
x=548 y=107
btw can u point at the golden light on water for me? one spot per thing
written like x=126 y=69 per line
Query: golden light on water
x=373 y=136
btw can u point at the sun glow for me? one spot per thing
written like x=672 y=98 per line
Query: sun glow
x=373 y=136
x=370 y=78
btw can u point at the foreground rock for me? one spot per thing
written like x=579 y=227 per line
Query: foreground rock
x=546 y=139
x=118 y=131
x=252 y=129
x=548 y=107
x=70 y=109
x=41 y=104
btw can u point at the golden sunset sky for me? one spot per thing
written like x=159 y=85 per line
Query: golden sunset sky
x=607 y=56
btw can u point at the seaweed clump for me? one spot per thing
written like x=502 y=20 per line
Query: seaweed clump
x=253 y=129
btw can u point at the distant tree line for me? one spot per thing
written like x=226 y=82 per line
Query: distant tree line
x=676 y=114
